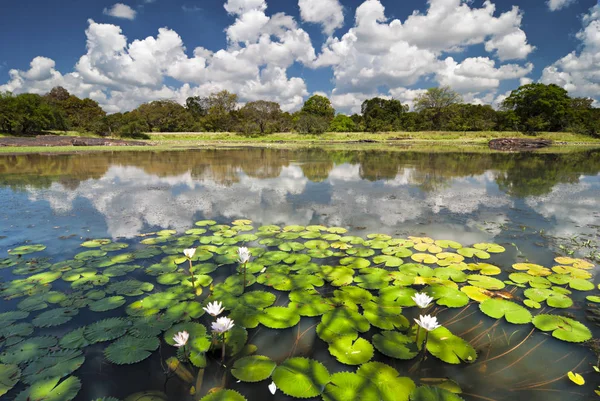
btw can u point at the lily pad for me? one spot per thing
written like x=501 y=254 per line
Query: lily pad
x=390 y=385
x=56 y=364
x=563 y=328
x=128 y=350
x=253 y=368
x=221 y=395
x=28 y=350
x=301 y=377
x=350 y=351
x=106 y=330
x=26 y=249
x=347 y=386
x=51 y=390
x=512 y=312
x=431 y=393
x=450 y=348
x=9 y=376
x=107 y=304
x=395 y=345
x=278 y=317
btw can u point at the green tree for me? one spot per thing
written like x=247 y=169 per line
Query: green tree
x=306 y=123
x=540 y=107
x=382 y=114
x=434 y=104
x=165 y=116
x=342 y=123
x=471 y=117
x=320 y=106
x=221 y=108
x=260 y=117
x=197 y=106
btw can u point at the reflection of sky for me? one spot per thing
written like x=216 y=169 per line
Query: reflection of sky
x=127 y=201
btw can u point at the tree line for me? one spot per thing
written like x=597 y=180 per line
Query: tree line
x=531 y=108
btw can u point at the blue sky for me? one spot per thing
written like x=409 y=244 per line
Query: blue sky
x=373 y=56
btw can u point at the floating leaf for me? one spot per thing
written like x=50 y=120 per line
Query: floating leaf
x=490 y=248
x=9 y=376
x=56 y=364
x=278 y=317
x=350 y=351
x=107 y=304
x=54 y=317
x=96 y=243
x=563 y=328
x=221 y=395
x=51 y=390
x=27 y=350
x=512 y=312
x=128 y=350
x=391 y=387
x=253 y=368
x=74 y=339
x=449 y=348
x=576 y=378
x=424 y=258
x=473 y=252
x=347 y=386
x=486 y=282
x=447 y=296
x=427 y=393
x=532 y=269
x=106 y=330
x=395 y=345
x=26 y=249
x=301 y=377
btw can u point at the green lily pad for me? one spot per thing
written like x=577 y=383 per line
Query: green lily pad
x=512 y=312
x=130 y=288
x=107 y=304
x=301 y=377
x=128 y=350
x=221 y=395
x=27 y=350
x=54 y=317
x=87 y=255
x=51 y=390
x=26 y=249
x=106 y=330
x=473 y=252
x=395 y=345
x=74 y=339
x=581 y=284
x=253 y=368
x=430 y=393
x=563 y=328
x=56 y=364
x=387 y=260
x=450 y=348
x=9 y=376
x=485 y=282
x=95 y=243
x=490 y=248
x=347 y=386
x=350 y=351
x=341 y=322
x=278 y=317
x=390 y=385
x=447 y=296
x=360 y=252
x=424 y=258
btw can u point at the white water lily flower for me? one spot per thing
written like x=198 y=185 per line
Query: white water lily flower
x=189 y=253
x=428 y=322
x=422 y=300
x=214 y=308
x=243 y=254
x=181 y=338
x=222 y=325
x=272 y=388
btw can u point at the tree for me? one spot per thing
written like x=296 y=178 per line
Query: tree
x=220 y=115
x=320 y=106
x=435 y=103
x=306 y=123
x=197 y=106
x=540 y=107
x=261 y=117
x=471 y=117
x=165 y=116
x=57 y=94
x=342 y=123
x=81 y=114
x=33 y=115
x=382 y=114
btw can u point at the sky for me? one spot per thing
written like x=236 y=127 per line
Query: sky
x=127 y=53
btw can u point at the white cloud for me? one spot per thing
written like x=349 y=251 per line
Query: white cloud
x=328 y=13
x=120 y=10
x=554 y=5
x=376 y=57
x=579 y=73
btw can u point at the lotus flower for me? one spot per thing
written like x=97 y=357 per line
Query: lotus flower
x=422 y=300
x=222 y=325
x=214 y=308
x=428 y=322
x=272 y=388
x=189 y=253
x=181 y=338
x=243 y=254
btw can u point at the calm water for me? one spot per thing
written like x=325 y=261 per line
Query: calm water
x=537 y=205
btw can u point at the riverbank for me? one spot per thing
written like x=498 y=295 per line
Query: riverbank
x=397 y=141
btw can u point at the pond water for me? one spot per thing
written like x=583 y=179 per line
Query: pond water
x=536 y=206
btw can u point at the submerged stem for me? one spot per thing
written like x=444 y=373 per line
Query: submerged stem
x=192 y=274
x=223 y=350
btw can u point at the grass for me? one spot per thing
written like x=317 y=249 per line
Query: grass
x=335 y=137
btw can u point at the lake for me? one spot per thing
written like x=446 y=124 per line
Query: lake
x=315 y=289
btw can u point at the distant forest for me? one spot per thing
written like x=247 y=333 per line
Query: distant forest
x=530 y=108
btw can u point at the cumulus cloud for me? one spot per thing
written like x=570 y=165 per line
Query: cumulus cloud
x=375 y=57
x=554 y=5
x=579 y=72
x=120 y=10
x=328 y=13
